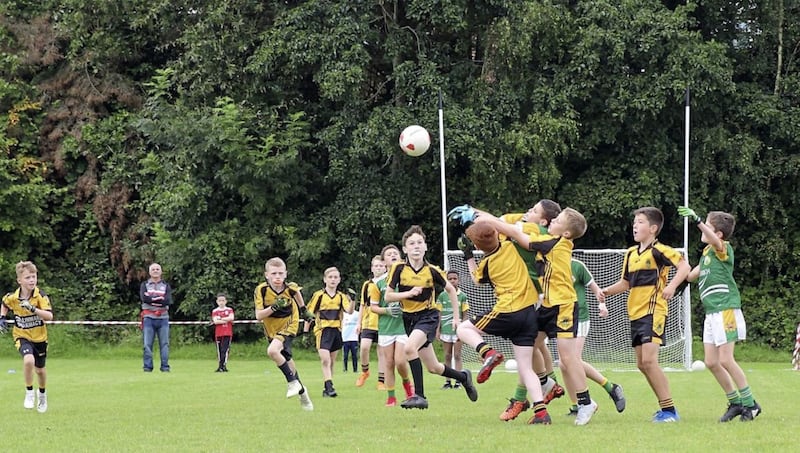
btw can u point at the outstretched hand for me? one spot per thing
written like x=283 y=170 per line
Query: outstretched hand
x=26 y=304
x=686 y=211
x=463 y=215
x=466 y=246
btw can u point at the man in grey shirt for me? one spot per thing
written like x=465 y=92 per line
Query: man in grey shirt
x=156 y=296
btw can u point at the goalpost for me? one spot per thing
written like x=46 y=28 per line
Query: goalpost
x=608 y=345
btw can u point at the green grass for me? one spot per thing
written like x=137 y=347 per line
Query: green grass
x=110 y=404
x=100 y=400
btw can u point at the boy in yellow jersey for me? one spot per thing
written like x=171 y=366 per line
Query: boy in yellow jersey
x=724 y=322
x=558 y=315
x=412 y=283
x=645 y=270
x=368 y=327
x=328 y=304
x=31 y=308
x=279 y=305
x=513 y=316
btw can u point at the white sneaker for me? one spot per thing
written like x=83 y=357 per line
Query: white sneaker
x=30 y=399
x=42 y=407
x=585 y=412
x=305 y=401
x=293 y=388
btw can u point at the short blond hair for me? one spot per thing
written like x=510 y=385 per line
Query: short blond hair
x=576 y=223
x=329 y=270
x=23 y=266
x=274 y=262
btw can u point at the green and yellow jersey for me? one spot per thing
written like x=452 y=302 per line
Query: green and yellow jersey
x=718 y=290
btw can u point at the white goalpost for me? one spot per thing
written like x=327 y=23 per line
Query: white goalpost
x=608 y=345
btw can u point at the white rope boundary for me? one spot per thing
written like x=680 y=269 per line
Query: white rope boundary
x=136 y=323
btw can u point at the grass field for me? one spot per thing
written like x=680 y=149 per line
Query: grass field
x=105 y=404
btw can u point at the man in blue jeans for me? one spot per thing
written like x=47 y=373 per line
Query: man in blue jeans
x=156 y=296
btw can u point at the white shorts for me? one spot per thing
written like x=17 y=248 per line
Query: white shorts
x=388 y=340
x=583 y=329
x=448 y=337
x=724 y=327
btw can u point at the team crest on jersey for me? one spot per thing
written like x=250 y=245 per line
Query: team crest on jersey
x=564 y=322
x=706 y=260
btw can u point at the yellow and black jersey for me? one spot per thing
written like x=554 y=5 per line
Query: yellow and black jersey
x=328 y=308
x=369 y=320
x=646 y=273
x=26 y=324
x=555 y=267
x=284 y=321
x=402 y=277
x=508 y=275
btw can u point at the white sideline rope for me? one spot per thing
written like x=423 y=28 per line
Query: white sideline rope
x=136 y=323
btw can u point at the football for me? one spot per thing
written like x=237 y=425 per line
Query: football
x=698 y=365
x=511 y=365
x=415 y=140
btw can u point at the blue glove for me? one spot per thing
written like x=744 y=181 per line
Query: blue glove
x=3 y=324
x=462 y=215
x=394 y=310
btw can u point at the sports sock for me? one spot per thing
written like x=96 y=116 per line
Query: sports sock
x=287 y=371
x=583 y=398
x=552 y=375
x=667 y=405
x=521 y=392
x=41 y=390
x=482 y=349
x=30 y=387
x=733 y=397
x=539 y=406
x=302 y=390
x=329 y=385
x=453 y=374
x=390 y=392
x=416 y=373
x=365 y=367
x=607 y=385
x=542 y=378
x=747 y=397
x=381 y=377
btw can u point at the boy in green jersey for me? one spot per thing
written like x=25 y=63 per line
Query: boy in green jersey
x=724 y=322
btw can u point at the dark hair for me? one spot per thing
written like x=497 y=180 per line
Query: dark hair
x=222 y=295
x=415 y=229
x=654 y=216
x=550 y=208
x=722 y=222
x=452 y=271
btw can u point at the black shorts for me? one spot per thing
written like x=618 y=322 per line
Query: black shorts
x=648 y=329
x=286 y=352
x=329 y=338
x=426 y=320
x=521 y=327
x=37 y=350
x=559 y=321
x=369 y=334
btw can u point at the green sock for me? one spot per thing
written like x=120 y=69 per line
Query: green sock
x=747 y=397
x=733 y=397
x=608 y=386
x=521 y=393
x=391 y=393
x=574 y=407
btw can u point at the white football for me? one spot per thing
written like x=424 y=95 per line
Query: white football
x=511 y=365
x=415 y=140
x=698 y=365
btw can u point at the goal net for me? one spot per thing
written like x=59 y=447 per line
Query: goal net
x=608 y=345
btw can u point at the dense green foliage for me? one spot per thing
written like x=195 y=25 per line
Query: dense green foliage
x=211 y=136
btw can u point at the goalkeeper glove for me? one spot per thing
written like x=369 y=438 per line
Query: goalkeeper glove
x=307 y=315
x=352 y=293
x=394 y=310
x=281 y=302
x=3 y=324
x=462 y=215
x=686 y=211
x=466 y=246
x=26 y=304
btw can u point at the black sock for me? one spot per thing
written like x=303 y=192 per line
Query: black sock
x=583 y=398
x=416 y=373
x=287 y=372
x=453 y=374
